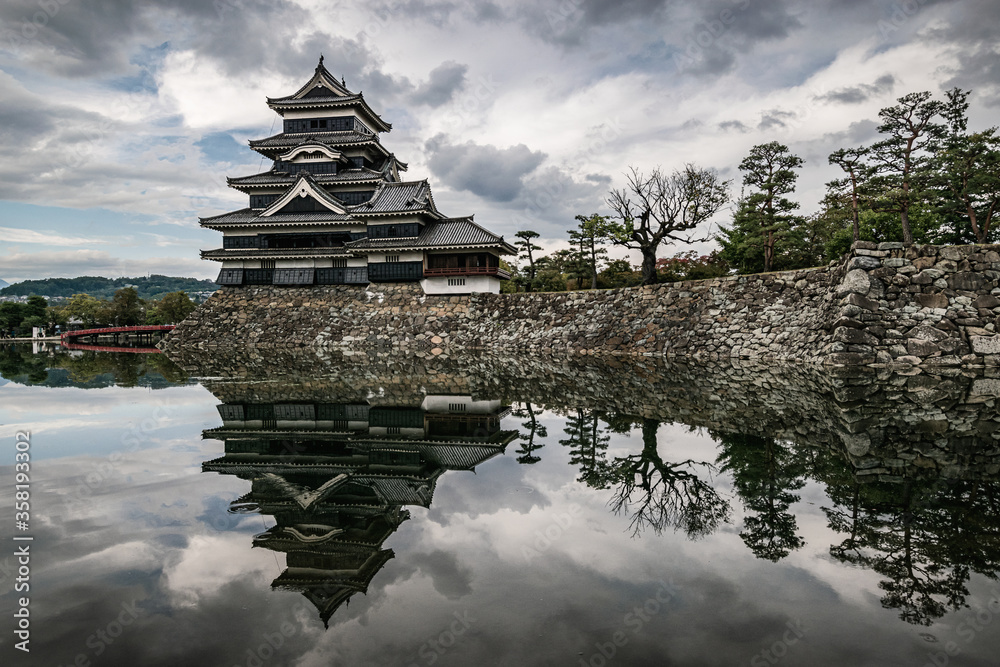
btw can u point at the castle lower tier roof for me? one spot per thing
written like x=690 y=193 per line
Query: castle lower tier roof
x=445 y=234
x=248 y=217
x=220 y=254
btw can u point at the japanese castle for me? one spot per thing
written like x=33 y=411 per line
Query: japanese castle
x=333 y=210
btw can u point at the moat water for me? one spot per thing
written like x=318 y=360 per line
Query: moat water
x=277 y=509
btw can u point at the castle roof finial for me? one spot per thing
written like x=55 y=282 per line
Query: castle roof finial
x=321 y=60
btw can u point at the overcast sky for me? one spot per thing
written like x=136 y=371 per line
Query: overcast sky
x=120 y=120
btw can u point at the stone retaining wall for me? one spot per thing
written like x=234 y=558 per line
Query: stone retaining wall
x=882 y=304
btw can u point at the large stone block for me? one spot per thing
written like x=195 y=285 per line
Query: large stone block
x=853 y=336
x=855 y=282
x=866 y=263
x=927 y=276
x=921 y=348
x=954 y=253
x=986 y=301
x=966 y=280
x=985 y=345
x=862 y=301
x=933 y=300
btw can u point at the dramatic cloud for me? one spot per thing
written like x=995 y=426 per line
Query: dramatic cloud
x=490 y=172
x=524 y=113
x=442 y=84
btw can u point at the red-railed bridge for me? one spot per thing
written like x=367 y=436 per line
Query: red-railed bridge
x=146 y=335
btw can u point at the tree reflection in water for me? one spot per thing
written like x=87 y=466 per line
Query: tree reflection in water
x=926 y=538
x=657 y=494
x=534 y=429
x=765 y=473
x=86 y=369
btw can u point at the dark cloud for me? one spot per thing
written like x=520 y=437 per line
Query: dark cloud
x=763 y=20
x=240 y=37
x=969 y=29
x=77 y=39
x=443 y=82
x=572 y=22
x=773 y=118
x=859 y=93
x=736 y=125
x=710 y=44
x=490 y=172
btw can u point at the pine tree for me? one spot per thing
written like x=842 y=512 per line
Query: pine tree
x=764 y=219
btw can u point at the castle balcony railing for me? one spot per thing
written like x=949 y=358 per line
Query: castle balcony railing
x=469 y=271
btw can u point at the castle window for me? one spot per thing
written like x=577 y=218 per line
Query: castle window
x=392 y=258
x=339 y=262
x=456 y=282
x=230 y=277
x=294 y=276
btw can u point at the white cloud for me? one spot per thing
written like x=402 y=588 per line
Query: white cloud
x=48 y=237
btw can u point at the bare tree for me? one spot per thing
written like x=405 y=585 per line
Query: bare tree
x=660 y=207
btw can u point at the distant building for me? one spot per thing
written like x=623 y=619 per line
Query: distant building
x=333 y=210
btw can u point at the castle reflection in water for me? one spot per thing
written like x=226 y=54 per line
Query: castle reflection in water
x=336 y=477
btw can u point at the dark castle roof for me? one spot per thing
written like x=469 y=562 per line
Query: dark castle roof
x=440 y=234
x=275 y=253
x=280 y=178
x=287 y=140
x=399 y=198
x=247 y=217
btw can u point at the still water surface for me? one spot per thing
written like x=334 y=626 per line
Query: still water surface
x=284 y=509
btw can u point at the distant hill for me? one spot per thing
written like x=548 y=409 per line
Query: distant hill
x=3 y=283
x=152 y=287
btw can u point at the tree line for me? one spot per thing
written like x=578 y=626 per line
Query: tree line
x=926 y=179
x=149 y=287
x=124 y=309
